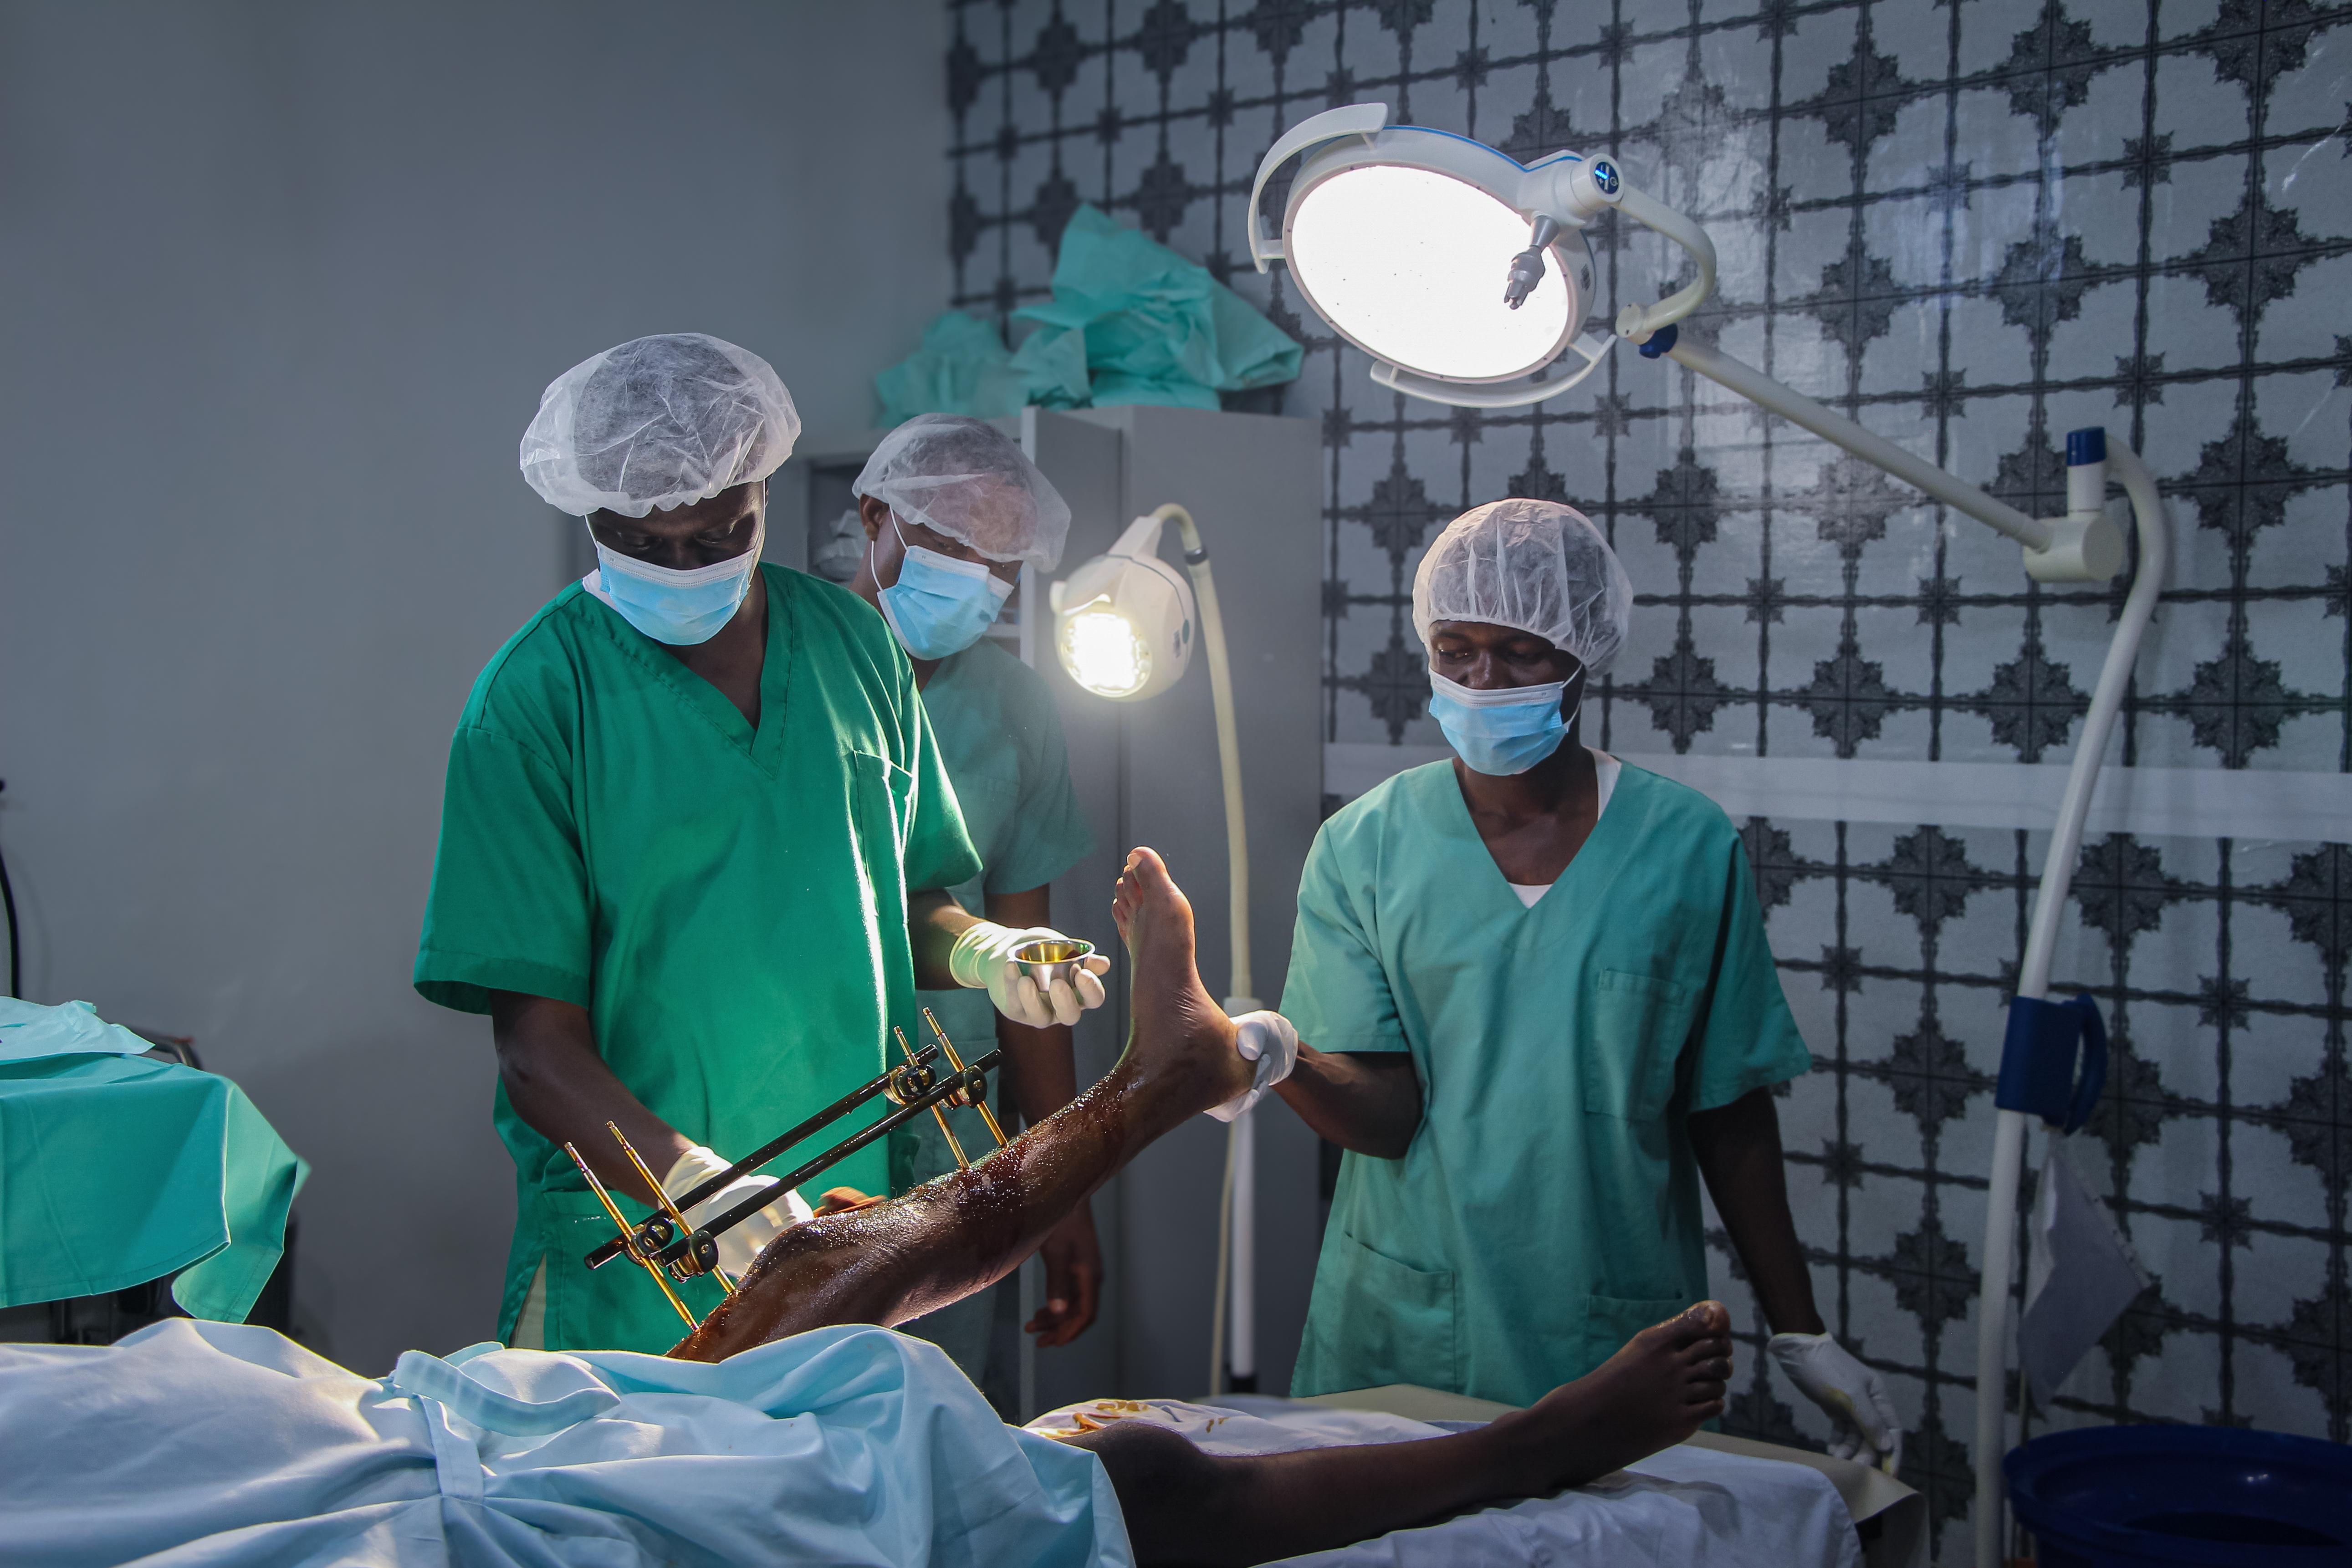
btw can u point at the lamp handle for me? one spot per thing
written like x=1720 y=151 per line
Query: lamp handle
x=1365 y=120
x=1636 y=322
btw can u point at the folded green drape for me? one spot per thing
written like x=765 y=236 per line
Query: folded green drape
x=1130 y=321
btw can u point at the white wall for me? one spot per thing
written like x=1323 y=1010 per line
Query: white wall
x=279 y=285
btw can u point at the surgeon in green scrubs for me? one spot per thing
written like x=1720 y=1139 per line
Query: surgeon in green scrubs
x=1537 y=1009
x=696 y=840
x=953 y=511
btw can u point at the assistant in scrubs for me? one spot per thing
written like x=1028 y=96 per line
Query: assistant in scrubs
x=953 y=510
x=696 y=840
x=1538 y=1008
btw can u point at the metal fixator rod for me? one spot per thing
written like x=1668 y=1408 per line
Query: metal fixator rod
x=628 y=1232
x=758 y=1157
x=668 y=1208
x=938 y=1111
x=833 y=1156
x=979 y=1102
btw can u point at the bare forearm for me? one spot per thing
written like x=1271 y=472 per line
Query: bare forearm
x=563 y=1091
x=934 y=921
x=1365 y=1102
x=1738 y=1147
x=950 y=1237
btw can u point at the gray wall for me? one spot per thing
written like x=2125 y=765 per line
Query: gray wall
x=282 y=284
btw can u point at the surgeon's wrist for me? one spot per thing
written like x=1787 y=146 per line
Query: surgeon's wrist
x=696 y=1165
x=968 y=957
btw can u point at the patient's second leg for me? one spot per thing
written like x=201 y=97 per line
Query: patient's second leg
x=1184 y=1505
x=898 y=1259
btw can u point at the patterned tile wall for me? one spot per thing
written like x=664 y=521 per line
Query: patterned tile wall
x=1972 y=225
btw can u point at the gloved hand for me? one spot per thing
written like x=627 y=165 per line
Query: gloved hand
x=983 y=956
x=1268 y=1040
x=740 y=1246
x=1868 y=1427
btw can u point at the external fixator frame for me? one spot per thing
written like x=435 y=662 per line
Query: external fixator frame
x=663 y=1243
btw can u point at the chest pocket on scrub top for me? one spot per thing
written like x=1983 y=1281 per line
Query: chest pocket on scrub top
x=882 y=793
x=1639 y=1023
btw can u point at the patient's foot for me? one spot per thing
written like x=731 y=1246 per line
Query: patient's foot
x=1180 y=1036
x=1665 y=1383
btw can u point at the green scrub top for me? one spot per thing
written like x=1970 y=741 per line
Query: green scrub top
x=729 y=905
x=999 y=736
x=1547 y=1208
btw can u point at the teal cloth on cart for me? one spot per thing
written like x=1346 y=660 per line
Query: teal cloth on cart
x=963 y=368
x=1156 y=328
x=212 y=1443
x=29 y=1031
x=116 y=1170
x=1130 y=321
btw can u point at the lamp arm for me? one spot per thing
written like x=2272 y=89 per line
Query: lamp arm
x=1220 y=693
x=1637 y=322
x=2033 y=980
x=1838 y=430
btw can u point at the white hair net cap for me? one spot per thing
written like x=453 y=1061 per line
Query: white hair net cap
x=971 y=481
x=1534 y=565
x=659 y=422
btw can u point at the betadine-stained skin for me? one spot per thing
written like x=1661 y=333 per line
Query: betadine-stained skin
x=894 y=1260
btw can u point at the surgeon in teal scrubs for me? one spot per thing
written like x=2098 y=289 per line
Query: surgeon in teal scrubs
x=1538 y=1008
x=953 y=511
x=696 y=844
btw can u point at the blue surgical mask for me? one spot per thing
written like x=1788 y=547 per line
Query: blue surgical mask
x=680 y=608
x=1506 y=730
x=940 y=604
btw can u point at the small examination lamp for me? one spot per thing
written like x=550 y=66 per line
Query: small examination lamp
x=1465 y=275
x=1124 y=628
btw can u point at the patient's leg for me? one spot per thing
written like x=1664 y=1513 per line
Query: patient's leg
x=1184 y=1505
x=963 y=1232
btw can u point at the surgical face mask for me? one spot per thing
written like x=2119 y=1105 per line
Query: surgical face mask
x=1503 y=732
x=680 y=608
x=940 y=604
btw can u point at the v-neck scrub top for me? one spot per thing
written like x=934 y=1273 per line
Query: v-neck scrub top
x=728 y=904
x=1547 y=1208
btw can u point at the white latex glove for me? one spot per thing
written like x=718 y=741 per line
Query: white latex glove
x=1868 y=1427
x=983 y=956
x=741 y=1244
x=1267 y=1040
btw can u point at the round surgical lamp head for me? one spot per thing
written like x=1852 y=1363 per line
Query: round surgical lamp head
x=1123 y=623
x=1461 y=271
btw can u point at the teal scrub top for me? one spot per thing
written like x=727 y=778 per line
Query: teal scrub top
x=999 y=736
x=1548 y=1209
x=728 y=904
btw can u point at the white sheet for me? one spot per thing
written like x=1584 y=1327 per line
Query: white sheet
x=1686 y=1508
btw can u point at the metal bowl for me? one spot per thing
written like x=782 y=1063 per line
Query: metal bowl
x=1048 y=961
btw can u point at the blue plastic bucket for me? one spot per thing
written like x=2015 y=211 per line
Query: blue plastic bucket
x=2218 y=1497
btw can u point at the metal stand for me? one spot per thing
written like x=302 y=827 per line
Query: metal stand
x=2033 y=981
x=1237 y=1289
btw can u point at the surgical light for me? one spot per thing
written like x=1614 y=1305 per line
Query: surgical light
x=1408 y=263
x=1463 y=273
x=1123 y=623
x=1101 y=651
